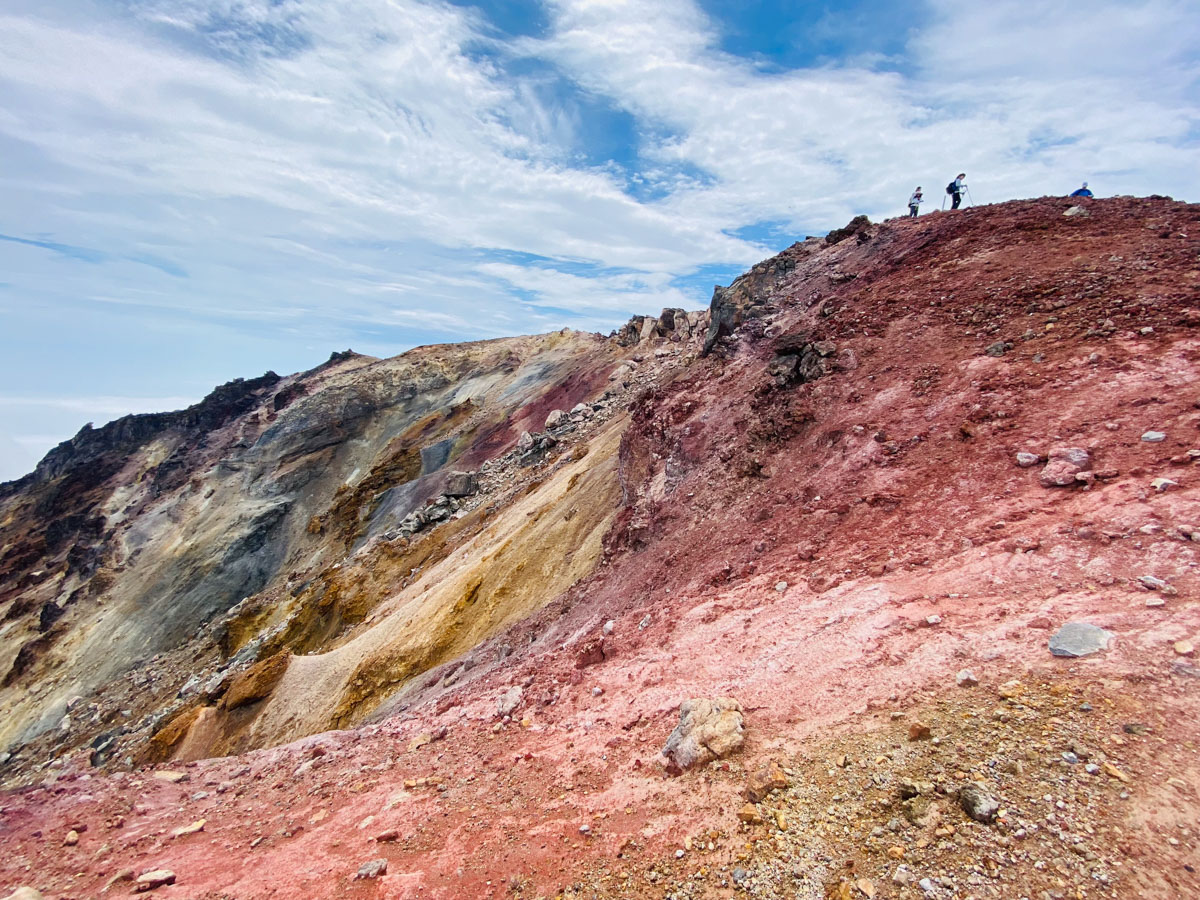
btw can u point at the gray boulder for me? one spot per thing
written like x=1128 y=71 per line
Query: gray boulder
x=461 y=484
x=1079 y=639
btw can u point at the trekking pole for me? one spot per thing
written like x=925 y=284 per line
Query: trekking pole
x=969 y=197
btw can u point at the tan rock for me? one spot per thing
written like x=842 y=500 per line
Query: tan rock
x=1011 y=689
x=1113 y=772
x=185 y=830
x=71 y=839
x=1185 y=648
x=425 y=737
x=749 y=814
x=148 y=881
x=170 y=776
x=708 y=729
x=919 y=731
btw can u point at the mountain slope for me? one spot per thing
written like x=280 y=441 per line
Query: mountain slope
x=810 y=500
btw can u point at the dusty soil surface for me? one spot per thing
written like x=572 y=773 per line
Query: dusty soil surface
x=826 y=519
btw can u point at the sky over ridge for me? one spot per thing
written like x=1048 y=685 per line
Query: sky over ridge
x=195 y=190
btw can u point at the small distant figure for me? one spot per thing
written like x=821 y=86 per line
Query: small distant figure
x=914 y=202
x=955 y=189
x=1083 y=192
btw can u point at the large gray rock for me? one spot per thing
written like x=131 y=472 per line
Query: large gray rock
x=555 y=418
x=708 y=729
x=461 y=484
x=1079 y=639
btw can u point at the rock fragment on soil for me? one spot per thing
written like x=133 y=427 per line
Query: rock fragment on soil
x=1064 y=467
x=966 y=678
x=155 y=878
x=767 y=779
x=1154 y=583
x=372 y=869
x=1079 y=639
x=1026 y=459
x=1154 y=437
x=709 y=728
x=509 y=701
x=977 y=802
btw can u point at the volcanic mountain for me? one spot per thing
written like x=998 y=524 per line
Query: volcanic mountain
x=893 y=550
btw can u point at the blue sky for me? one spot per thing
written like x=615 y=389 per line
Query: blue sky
x=196 y=190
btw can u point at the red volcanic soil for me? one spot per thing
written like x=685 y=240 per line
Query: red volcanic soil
x=829 y=552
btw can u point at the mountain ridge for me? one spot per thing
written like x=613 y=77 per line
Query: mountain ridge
x=491 y=573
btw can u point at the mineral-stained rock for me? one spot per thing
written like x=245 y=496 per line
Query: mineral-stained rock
x=708 y=729
x=556 y=417
x=1065 y=463
x=769 y=778
x=1079 y=639
x=256 y=682
x=1025 y=459
x=977 y=802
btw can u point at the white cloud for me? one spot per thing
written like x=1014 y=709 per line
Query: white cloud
x=261 y=177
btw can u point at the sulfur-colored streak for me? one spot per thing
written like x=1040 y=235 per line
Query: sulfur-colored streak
x=530 y=553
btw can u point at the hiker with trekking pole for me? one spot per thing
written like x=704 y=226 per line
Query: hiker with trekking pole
x=955 y=190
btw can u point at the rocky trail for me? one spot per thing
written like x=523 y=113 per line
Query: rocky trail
x=860 y=498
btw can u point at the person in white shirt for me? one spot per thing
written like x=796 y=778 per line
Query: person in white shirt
x=914 y=203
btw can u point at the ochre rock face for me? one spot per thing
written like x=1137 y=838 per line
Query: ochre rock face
x=360 y=618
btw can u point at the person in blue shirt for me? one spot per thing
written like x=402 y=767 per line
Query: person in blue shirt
x=1083 y=192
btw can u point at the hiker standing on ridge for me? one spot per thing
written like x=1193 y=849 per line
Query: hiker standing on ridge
x=955 y=189
x=914 y=203
x=1083 y=192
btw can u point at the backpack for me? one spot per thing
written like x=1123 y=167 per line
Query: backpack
x=952 y=187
